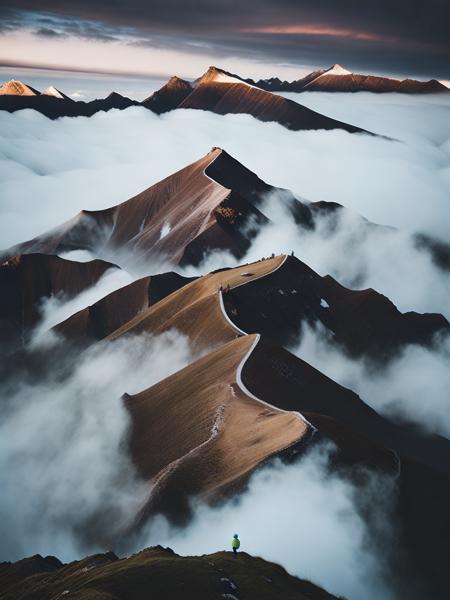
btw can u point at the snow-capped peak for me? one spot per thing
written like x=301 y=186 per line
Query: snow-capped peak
x=55 y=93
x=15 y=87
x=214 y=74
x=52 y=91
x=337 y=70
x=334 y=70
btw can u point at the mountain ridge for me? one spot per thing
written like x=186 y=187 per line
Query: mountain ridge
x=155 y=572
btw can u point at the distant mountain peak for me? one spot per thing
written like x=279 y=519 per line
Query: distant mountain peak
x=14 y=87
x=177 y=82
x=337 y=70
x=167 y=98
x=115 y=95
x=213 y=69
x=217 y=75
x=55 y=93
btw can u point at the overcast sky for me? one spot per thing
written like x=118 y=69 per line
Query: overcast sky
x=254 y=37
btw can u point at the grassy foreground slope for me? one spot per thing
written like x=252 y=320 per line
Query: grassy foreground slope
x=154 y=573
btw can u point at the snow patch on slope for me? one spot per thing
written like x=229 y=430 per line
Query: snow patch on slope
x=224 y=78
x=334 y=70
x=165 y=230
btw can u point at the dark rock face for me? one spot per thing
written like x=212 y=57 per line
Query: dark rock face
x=169 y=96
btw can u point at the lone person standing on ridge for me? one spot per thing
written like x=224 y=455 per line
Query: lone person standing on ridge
x=235 y=544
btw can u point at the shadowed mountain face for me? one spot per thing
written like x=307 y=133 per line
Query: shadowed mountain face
x=363 y=321
x=27 y=280
x=155 y=573
x=102 y=318
x=169 y=96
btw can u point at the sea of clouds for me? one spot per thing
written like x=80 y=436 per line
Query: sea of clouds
x=57 y=447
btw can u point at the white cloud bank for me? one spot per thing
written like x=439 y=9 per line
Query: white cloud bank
x=64 y=466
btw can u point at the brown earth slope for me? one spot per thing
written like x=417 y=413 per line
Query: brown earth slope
x=174 y=221
x=198 y=433
x=195 y=309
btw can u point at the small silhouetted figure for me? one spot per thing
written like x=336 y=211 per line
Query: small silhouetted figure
x=292 y=253
x=235 y=544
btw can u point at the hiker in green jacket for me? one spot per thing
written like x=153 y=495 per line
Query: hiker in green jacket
x=235 y=543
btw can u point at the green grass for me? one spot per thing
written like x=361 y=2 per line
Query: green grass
x=159 y=574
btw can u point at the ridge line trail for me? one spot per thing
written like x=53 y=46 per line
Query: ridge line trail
x=239 y=381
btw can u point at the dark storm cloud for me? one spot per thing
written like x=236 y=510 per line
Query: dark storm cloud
x=48 y=33
x=52 y=25
x=386 y=35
